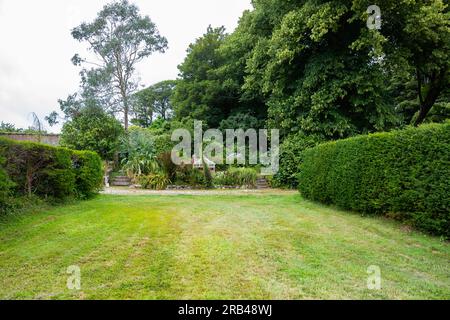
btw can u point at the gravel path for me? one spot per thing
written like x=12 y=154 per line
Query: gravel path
x=138 y=192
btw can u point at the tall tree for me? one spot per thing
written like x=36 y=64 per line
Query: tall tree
x=120 y=38
x=151 y=102
x=162 y=93
x=417 y=38
x=198 y=94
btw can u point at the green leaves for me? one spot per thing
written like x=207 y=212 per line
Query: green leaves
x=92 y=129
x=120 y=38
x=403 y=173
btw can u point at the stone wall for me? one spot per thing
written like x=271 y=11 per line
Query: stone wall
x=50 y=139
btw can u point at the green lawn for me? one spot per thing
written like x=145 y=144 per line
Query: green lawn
x=216 y=247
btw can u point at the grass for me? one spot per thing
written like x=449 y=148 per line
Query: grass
x=215 y=247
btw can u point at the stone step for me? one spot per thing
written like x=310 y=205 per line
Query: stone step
x=261 y=183
x=121 y=181
x=121 y=184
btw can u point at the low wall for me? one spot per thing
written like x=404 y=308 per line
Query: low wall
x=50 y=139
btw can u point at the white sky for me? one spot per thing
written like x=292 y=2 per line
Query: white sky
x=36 y=46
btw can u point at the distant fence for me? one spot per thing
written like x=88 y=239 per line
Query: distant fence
x=50 y=139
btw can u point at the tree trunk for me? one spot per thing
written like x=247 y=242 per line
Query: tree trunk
x=125 y=113
x=427 y=104
x=436 y=85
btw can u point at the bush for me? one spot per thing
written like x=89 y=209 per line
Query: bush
x=154 y=181
x=5 y=188
x=38 y=169
x=404 y=174
x=166 y=164
x=50 y=172
x=187 y=175
x=93 y=129
x=236 y=177
x=208 y=177
x=291 y=157
x=89 y=173
x=58 y=177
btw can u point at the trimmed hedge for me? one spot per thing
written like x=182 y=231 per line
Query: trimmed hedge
x=88 y=173
x=402 y=174
x=50 y=172
x=5 y=187
x=291 y=153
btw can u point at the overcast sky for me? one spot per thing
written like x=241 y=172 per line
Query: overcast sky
x=36 y=46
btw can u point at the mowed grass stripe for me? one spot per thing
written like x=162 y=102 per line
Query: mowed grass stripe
x=216 y=247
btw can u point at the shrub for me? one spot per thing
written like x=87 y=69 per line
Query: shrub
x=89 y=173
x=208 y=177
x=163 y=143
x=38 y=169
x=166 y=164
x=47 y=171
x=58 y=177
x=154 y=181
x=236 y=177
x=291 y=157
x=5 y=188
x=187 y=175
x=404 y=174
x=93 y=129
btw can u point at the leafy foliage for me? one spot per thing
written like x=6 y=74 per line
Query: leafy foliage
x=5 y=188
x=403 y=174
x=88 y=173
x=50 y=172
x=154 y=181
x=291 y=154
x=93 y=129
x=120 y=38
x=187 y=175
x=236 y=177
x=153 y=102
x=200 y=94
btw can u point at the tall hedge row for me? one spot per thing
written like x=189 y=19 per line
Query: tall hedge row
x=402 y=174
x=49 y=172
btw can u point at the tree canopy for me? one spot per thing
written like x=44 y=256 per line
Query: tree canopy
x=153 y=102
x=93 y=129
x=120 y=38
x=315 y=67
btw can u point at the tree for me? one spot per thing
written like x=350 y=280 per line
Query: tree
x=162 y=93
x=199 y=93
x=240 y=121
x=8 y=127
x=143 y=108
x=311 y=74
x=417 y=38
x=93 y=129
x=151 y=102
x=120 y=38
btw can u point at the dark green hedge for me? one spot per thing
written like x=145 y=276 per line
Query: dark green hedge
x=402 y=174
x=5 y=187
x=89 y=173
x=291 y=153
x=50 y=172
